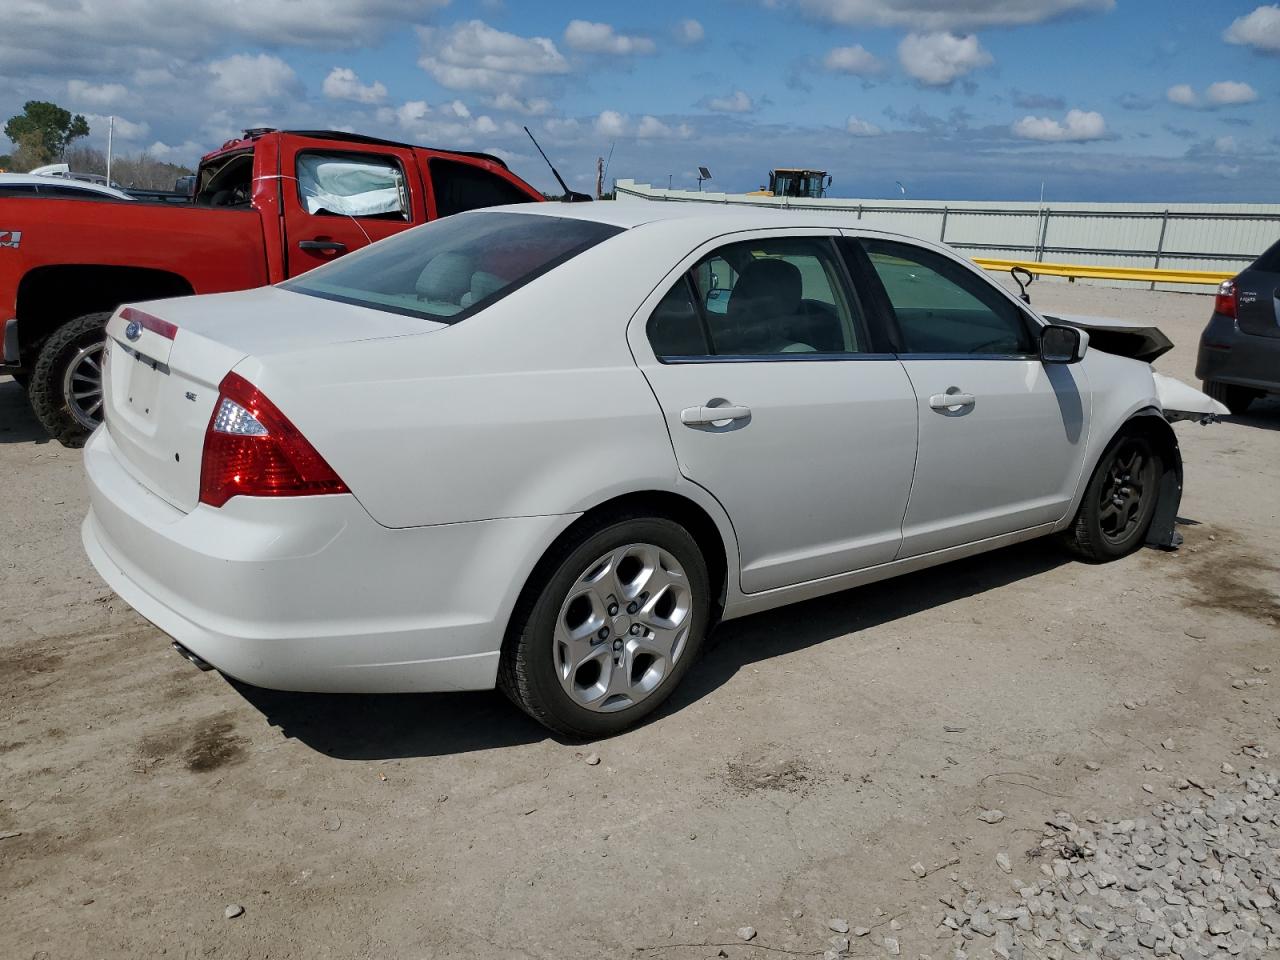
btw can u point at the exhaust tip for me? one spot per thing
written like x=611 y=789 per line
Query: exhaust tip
x=188 y=655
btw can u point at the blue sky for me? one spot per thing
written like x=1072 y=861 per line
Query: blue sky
x=1140 y=100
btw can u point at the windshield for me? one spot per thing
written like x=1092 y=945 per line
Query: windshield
x=451 y=268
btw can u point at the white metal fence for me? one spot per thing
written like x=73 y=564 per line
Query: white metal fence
x=1189 y=236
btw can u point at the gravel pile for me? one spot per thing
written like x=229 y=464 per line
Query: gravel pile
x=1198 y=877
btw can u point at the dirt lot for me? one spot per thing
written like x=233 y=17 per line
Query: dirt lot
x=813 y=756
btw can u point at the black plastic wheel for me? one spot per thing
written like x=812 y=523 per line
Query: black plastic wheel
x=1119 y=502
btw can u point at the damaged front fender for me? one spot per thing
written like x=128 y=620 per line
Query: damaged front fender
x=1182 y=402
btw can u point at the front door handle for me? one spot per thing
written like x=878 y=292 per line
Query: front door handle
x=703 y=416
x=328 y=246
x=949 y=401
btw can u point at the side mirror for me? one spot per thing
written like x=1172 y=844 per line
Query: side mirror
x=1061 y=344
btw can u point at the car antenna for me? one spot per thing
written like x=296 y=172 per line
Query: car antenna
x=570 y=196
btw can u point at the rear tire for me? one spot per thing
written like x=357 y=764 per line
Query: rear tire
x=62 y=380
x=607 y=627
x=1236 y=399
x=1119 y=502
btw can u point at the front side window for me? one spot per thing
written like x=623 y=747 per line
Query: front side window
x=449 y=269
x=768 y=297
x=352 y=185
x=941 y=307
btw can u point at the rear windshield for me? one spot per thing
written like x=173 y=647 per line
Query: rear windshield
x=451 y=268
x=1269 y=262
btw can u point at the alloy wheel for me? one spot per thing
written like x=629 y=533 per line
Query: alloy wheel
x=622 y=627
x=82 y=385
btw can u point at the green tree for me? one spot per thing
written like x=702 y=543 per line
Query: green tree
x=46 y=127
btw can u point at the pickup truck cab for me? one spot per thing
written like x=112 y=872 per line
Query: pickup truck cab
x=267 y=206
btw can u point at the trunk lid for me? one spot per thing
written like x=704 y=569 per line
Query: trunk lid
x=1258 y=303
x=165 y=360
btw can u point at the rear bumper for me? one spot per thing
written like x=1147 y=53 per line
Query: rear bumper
x=1229 y=356
x=310 y=593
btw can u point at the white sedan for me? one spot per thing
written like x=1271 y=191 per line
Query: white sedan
x=548 y=447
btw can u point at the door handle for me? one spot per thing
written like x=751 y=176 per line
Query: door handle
x=946 y=401
x=702 y=416
x=333 y=246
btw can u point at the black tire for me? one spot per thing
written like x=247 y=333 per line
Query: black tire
x=1236 y=399
x=1103 y=529
x=48 y=397
x=528 y=671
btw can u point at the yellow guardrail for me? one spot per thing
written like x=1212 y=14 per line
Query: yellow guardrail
x=1137 y=274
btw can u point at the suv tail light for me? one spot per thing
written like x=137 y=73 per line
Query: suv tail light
x=251 y=449
x=1225 y=302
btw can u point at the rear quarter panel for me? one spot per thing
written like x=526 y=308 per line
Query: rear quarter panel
x=534 y=406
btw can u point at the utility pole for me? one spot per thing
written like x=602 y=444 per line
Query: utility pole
x=111 y=129
x=599 y=178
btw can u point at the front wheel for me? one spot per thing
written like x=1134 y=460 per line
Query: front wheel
x=613 y=626
x=1119 y=502
x=66 y=380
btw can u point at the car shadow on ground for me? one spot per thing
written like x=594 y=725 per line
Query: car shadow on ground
x=377 y=727
x=17 y=423
x=1262 y=414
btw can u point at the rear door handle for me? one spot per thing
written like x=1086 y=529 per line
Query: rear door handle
x=945 y=401
x=702 y=416
x=335 y=246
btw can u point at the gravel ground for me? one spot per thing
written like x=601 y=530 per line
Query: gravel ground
x=958 y=763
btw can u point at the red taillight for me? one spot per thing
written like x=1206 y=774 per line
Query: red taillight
x=1225 y=302
x=251 y=449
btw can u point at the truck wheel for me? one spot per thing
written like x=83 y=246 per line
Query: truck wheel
x=66 y=381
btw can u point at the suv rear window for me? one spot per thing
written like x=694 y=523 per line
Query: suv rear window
x=449 y=269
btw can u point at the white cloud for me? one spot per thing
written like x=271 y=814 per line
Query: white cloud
x=1229 y=92
x=862 y=128
x=457 y=109
x=737 y=102
x=938 y=59
x=343 y=83
x=411 y=113
x=611 y=123
x=943 y=14
x=857 y=60
x=484 y=124
x=1223 y=93
x=245 y=78
x=1260 y=29
x=187 y=152
x=124 y=129
x=96 y=95
x=651 y=128
x=1079 y=126
x=587 y=37
x=561 y=126
x=1225 y=145
x=530 y=107
x=475 y=56
x=689 y=32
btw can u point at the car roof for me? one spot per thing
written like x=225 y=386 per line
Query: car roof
x=628 y=214
x=88 y=186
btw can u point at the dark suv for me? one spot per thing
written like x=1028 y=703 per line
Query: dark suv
x=1240 y=348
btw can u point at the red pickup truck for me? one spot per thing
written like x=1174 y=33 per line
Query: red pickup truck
x=268 y=206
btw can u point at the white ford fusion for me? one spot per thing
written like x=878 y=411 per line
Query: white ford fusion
x=548 y=447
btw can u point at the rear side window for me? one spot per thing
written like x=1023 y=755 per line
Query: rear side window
x=942 y=308
x=447 y=270
x=463 y=186
x=776 y=296
x=352 y=185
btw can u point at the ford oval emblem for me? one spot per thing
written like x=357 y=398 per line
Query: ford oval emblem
x=134 y=330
